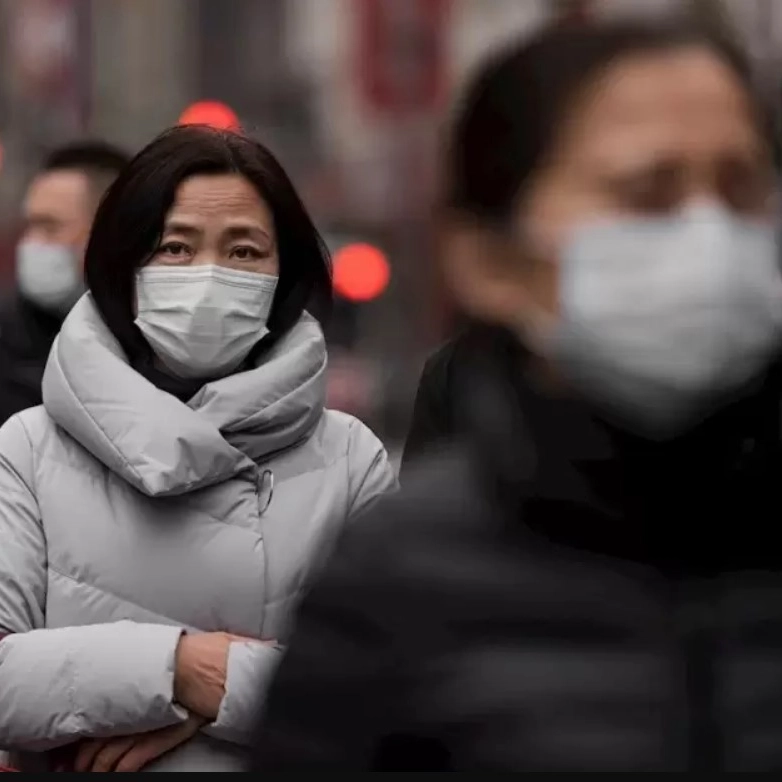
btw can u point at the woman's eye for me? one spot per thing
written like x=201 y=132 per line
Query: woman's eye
x=245 y=253
x=173 y=248
x=744 y=188
x=656 y=191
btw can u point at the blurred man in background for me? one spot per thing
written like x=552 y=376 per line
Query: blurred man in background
x=58 y=210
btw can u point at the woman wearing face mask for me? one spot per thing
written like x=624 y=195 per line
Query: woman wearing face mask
x=590 y=582
x=161 y=512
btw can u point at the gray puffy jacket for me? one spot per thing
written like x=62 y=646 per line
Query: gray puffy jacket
x=127 y=516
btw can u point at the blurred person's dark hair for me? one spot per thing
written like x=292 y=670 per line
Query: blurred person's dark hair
x=514 y=111
x=129 y=223
x=99 y=161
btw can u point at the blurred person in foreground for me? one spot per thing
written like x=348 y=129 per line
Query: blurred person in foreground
x=58 y=210
x=161 y=512
x=591 y=580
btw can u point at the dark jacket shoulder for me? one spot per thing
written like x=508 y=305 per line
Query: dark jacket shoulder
x=26 y=337
x=436 y=416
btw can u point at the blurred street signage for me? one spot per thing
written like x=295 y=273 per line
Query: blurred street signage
x=402 y=53
x=44 y=45
x=49 y=45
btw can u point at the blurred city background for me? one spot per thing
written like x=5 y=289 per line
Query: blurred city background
x=350 y=94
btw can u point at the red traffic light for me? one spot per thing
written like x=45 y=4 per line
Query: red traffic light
x=361 y=272
x=210 y=112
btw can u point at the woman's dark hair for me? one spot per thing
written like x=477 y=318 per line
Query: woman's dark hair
x=512 y=112
x=129 y=223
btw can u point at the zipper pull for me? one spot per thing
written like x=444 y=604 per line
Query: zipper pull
x=265 y=490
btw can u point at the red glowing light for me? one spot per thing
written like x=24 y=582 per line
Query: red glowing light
x=361 y=272
x=209 y=112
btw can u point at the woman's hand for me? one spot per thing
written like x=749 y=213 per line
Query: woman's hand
x=201 y=668
x=132 y=753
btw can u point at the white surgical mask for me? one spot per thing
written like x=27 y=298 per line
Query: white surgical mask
x=662 y=319
x=202 y=321
x=49 y=275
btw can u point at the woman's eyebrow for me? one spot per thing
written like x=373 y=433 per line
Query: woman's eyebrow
x=180 y=227
x=251 y=232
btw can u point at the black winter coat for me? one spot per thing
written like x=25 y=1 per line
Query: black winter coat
x=551 y=596
x=437 y=418
x=26 y=337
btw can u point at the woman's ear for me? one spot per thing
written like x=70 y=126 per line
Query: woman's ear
x=484 y=271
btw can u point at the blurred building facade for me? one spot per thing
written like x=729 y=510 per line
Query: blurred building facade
x=350 y=94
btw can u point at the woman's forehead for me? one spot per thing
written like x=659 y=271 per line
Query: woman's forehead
x=224 y=197
x=682 y=103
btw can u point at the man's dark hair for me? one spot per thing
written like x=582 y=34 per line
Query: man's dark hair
x=99 y=161
x=129 y=223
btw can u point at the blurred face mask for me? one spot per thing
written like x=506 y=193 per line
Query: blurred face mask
x=662 y=319
x=202 y=321
x=49 y=275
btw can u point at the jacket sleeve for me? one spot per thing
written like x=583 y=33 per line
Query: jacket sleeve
x=251 y=666
x=370 y=473
x=58 y=685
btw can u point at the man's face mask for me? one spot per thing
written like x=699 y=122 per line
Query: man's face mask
x=49 y=275
x=662 y=319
